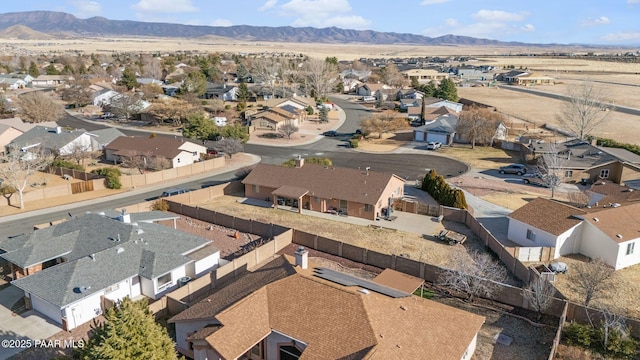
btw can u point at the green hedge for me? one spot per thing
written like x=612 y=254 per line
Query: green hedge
x=441 y=192
x=353 y=143
x=66 y=164
x=614 y=144
x=112 y=176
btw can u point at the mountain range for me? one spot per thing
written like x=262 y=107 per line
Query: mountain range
x=51 y=24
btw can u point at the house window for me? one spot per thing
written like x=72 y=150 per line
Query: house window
x=343 y=204
x=604 y=173
x=289 y=352
x=630 y=247
x=178 y=160
x=317 y=199
x=368 y=208
x=164 y=280
x=531 y=235
x=255 y=188
x=568 y=173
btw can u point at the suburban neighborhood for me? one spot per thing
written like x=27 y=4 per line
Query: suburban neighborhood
x=279 y=204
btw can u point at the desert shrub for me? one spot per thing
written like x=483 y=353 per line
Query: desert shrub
x=312 y=160
x=66 y=164
x=160 y=205
x=353 y=143
x=112 y=177
x=578 y=334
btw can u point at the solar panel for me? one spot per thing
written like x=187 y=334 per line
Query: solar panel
x=350 y=280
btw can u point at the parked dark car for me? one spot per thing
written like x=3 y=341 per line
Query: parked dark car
x=535 y=179
x=517 y=169
x=330 y=133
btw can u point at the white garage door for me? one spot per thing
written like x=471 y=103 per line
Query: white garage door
x=442 y=138
x=47 y=309
x=419 y=136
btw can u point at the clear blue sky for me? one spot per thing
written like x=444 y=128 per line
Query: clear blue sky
x=607 y=22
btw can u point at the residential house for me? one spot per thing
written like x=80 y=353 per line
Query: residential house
x=470 y=74
x=274 y=117
x=616 y=171
x=178 y=152
x=7 y=134
x=430 y=113
x=442 y=130
x=102 y=96
x=350 y=85
x=281 y=312
x=409 y=94
x=51 y=81
x=69 y=270
x=606 y=231
x=432 y=102
x=360 y=193
x=370 y=89
x=583 y=160
x=424 y=76
x=527 y=79
x=223 y=92
x=389 y=94
x=409 y=102
x=509 y=75
x=103 y=137
x=15 y=81
x=360 y=75
x=149 y=81
x=55 y=140
x=23 y=127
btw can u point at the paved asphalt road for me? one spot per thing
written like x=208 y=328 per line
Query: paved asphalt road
x=408 y=166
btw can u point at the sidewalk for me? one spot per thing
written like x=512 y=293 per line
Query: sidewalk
x=44 y=206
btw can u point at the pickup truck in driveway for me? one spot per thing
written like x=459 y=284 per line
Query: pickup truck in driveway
x=451 y=237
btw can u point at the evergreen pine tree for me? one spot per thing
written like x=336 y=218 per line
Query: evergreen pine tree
x=33 y=70
x=447 y=90
x=129 y=332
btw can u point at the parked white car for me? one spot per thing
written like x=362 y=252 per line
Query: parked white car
x=433 y=145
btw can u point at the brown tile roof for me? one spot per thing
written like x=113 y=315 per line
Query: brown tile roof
x=399 y=281
x=548 y=215
x=157 y=146
x=612 y=193
x=324 y=181
x=396 y=325
x=204 y=332
x=269 y=116
x=276 y=269
x=613 y=221
x=339 y=322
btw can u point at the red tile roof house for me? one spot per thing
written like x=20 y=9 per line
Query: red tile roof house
x=299 y=313
x=361 y=193
x=609 y=231
x=179 y=153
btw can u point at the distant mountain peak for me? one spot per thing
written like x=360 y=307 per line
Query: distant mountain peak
x=51 y=22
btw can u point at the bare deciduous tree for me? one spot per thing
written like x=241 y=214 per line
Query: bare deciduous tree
x=125 y=105
x=320 y=74
x=475 y=276
x=18 y=167
x=38 y=106
x=134 y=160
x=479 y=125
x=386 y=122
x=539 y=294
x=229 y=146
x=79 y=151
x=288 y=129
x=591 y=277
x=151 y=66
x=585 y=111
x=551 y=166
x=266 y=70
x=391 y=76
x=158 y=163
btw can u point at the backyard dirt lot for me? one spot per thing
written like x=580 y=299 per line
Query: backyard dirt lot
x=382 y=240
x=621 y=293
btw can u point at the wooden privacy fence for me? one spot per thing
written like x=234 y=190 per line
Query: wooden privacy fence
x=81 y=187
x=416 y=207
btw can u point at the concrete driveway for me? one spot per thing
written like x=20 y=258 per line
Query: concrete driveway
x=20 y=329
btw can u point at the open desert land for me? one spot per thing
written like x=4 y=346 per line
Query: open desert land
x=349 y=51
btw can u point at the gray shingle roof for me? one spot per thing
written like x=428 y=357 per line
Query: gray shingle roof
x=105 y=136
x=47 y=137
x=94 y=257
x=445 y=124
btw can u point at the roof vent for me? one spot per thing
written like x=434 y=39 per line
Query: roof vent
x=93 y=257
x=81 y=289
x=619 y=236
x=139 y=231
x=119 y=250
x=403 y=307
x=596 y=219
x=364 y=291
x=615 y=205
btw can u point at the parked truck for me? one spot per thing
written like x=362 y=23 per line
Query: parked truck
x=451 y=237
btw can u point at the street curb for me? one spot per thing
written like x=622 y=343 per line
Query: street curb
x=254 y=160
